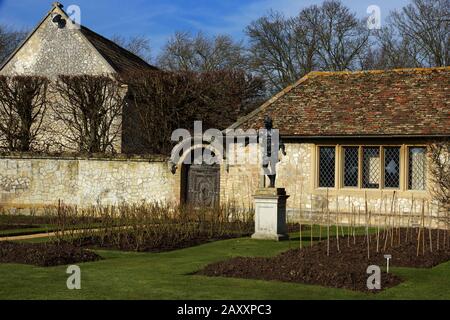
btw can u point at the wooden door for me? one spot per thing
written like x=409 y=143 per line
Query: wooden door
x=203 y=185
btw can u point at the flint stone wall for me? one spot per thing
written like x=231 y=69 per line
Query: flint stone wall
x=38 y=182
x=295 y=172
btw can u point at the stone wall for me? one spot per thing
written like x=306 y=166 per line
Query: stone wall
x=53 y=51
x=37 y=182
x=295 y=172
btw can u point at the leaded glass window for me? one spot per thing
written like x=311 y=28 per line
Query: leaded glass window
x=327 y=163
x=417 y=168
x=371 y=168
x=351 y=166
x=391 y=167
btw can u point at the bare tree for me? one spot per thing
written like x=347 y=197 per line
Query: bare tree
x=425 y=25
x=341 y=37
x=281 y=50
x=164 y=101
x=390 y=51
x=439 y=154
x=326 y=37
x=90 y=109
x=9 y=40
x=157 y=101
x=185 y=52
x=23 y=101
x=139 y=45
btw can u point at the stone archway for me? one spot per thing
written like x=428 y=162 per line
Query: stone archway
x=200 y=184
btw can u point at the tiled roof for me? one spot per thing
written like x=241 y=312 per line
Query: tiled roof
x=122 y=60
x=411 y=102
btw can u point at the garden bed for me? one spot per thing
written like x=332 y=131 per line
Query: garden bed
x=344 y=269
x=44 y=254
x=4 y=227
x=158 y=243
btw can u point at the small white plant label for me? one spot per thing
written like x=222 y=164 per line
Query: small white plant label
x=74 y=280
x=374 y=280
x=388 y=257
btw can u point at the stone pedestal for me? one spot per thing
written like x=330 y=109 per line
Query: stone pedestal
x=270 y=214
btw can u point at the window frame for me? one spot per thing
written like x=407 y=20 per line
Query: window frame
x=340 y=162
x=342 y=167
x=336 y=161
x=406 y=162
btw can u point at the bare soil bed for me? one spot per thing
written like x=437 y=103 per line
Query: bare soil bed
x=343 y=269
x=155 y=245
x=44 y=254
x=4 y=227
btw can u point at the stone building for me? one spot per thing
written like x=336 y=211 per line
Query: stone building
x=59 y=46
x=353 y=136
x=352 y=139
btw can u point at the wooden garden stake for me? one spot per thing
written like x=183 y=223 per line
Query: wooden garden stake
x=409 y=217
x=328 y=227
x=311 y=223
x=418 y=243
x=367 y=225
x=423 y=227
x=385 y=224
x=349 y=223
x=301 y=214
x=393 y=221
x=400 y=212
x=390 y=221
x=429 y=227
x=300 y=235
x=337 y=223
x=320 y=224
x=438 y=227
x=378 y=222
x=354 y=223
x=420 y=231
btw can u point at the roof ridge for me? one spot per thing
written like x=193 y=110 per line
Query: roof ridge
x=377 y=71
x=315 y=74
x=115 y=44
x=58 y=7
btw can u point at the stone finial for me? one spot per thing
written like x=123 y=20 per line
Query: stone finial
x=57 y=5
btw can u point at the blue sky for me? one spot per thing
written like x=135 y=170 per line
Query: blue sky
x=159 y=19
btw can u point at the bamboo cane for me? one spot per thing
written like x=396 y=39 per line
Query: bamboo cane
x=367 y=215
x=328 y=226
x=401 y=212
x=349 y=228
x=378 y=222
x=390 y=220
x=311 y=225
x=409 y=217
x=438 y=227
x=421 y=231
x=349 y=224
x=301 y=214
x=429 y=227
x=423 y=227
x=393 y=222
x=337 y=223
x=354 y=225
x=320 y=224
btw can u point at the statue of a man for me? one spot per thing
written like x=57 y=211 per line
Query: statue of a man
x=270 y=145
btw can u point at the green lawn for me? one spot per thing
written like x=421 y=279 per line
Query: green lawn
x=127 y=275
x=26 y=231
